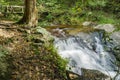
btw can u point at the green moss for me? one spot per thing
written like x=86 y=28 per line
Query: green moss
x=5 y=40
x=4 y=73
x=59 y=62
x=3 y=51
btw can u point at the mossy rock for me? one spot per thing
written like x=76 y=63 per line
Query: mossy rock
x=40 y=35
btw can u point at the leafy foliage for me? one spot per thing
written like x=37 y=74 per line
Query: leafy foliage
x=73 y=12
x=3 y=63
x=14 y=2
x=2 y=2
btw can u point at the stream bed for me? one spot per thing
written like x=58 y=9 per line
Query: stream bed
x=85 y=48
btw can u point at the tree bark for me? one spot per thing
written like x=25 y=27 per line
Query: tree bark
x=30 y=13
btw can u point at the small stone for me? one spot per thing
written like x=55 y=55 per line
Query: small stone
x=72 y=76
x=28 y=31
x=86 y=23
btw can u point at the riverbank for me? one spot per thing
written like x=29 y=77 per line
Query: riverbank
x=24 y=56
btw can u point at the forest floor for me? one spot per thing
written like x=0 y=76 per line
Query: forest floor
x=26 y=61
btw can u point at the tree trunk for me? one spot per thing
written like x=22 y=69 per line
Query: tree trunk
x=30 y=13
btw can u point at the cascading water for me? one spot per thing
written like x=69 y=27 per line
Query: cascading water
x=86 y=51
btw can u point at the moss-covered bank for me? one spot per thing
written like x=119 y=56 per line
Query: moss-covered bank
x=27 y=60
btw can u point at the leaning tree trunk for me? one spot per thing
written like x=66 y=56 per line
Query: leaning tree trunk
x=30 y=13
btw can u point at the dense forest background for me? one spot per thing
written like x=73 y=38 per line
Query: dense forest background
x=72 y=11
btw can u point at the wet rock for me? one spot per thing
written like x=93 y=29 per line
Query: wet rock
x=106 y=27
x=87 y=75
x=116 y=37
x=93 y=75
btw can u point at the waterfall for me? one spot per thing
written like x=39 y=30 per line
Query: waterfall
x=86 y=51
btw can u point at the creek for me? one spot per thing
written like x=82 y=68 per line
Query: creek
x=85 y=48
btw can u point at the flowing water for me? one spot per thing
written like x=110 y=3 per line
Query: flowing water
x=86 y=50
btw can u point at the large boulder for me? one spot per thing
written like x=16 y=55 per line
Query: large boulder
x=93 y=75
x=87 y=75
x=40 y=36
x=46 y=35
x=107 y=27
